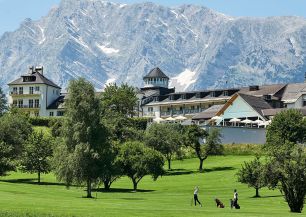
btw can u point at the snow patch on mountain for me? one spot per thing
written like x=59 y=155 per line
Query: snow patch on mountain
x=183 y=80
x=108 y=50
x=197 y=47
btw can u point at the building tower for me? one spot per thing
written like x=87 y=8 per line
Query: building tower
x=156 y=78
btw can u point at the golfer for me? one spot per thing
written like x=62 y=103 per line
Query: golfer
x=195 y=196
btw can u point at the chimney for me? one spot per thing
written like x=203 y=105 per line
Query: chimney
x=31 y=70
x=39 y=69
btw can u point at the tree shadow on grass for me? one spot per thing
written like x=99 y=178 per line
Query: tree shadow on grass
x=31 y=181
x=177 y=172
x=120 y=190
x=254 y=197
x=132 y=198
x=214 y=169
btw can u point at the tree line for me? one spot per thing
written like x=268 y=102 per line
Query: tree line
x=99 y=140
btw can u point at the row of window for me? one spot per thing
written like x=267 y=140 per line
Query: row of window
x=58 y=113
x=32 y=103
x=19 y=90
x=197 y=95
x=56 y=92
x=156 y=80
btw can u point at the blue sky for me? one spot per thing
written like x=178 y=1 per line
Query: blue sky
x=13 y=12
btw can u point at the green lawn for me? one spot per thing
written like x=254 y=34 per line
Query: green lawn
x=168 y=196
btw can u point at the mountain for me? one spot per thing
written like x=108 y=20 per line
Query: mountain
x=196 y=47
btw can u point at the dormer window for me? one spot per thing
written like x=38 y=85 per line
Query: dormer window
x=198 y=95
x=171 y=97
x=183 y=96
x=29 y=78
x=212 y=94
x=225 y=93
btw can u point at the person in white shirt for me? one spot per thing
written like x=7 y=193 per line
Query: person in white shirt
x=195 y=196
x=235 y=200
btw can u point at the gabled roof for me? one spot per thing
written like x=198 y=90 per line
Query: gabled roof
x=40 y=79
x=293 y=92
x=269 y=89
x=156 y=73
x=273 y=112
x=257 y=103
x=208 y=113
x=58 y=103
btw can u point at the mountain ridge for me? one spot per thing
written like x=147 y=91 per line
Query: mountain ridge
x=195 y=46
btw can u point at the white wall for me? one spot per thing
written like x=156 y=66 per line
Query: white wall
x=155 y=113
x=45 y=96
x=239 y=109
x=298 y=103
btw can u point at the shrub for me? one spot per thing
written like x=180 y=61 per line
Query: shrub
x=242 y=149
x=40 y=121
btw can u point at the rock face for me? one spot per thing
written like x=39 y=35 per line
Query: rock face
x=197 y=47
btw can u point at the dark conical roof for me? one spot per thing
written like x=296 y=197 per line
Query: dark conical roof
x=156 y=73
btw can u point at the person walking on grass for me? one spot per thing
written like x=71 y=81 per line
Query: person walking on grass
x=195 y=196
x=234 y=202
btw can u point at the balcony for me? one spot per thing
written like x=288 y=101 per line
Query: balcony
x=180 y=112
x=17 y=93
x=35 y=106
x=149 y=114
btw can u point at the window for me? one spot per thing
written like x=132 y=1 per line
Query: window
x=15 y=90
x=29 y=78
x=30 y=103
x=225 y=93
x=60 y=113
x=36 y=104
x=150 y=109
x=51 y=114
x=20 y=90
x=31 y=90
x=184 y=96
x=15 y=103
x=304 y=103
x=198 y=95
x=20 y=103
x=212 y=94
x=37 y=88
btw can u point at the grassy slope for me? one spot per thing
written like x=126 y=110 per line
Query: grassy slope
x=169 y=196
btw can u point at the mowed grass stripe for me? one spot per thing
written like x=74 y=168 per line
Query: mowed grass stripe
x=170 y=195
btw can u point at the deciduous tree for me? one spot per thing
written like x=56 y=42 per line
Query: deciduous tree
x=252 y=174
x=79 y=158
x=284 y=135
x=121 y=99
x=14 y=130
x=37 y=154
x=166 y=138
x=204 y=143
x=137 y=161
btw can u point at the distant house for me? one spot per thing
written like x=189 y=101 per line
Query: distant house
x=35 y=94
